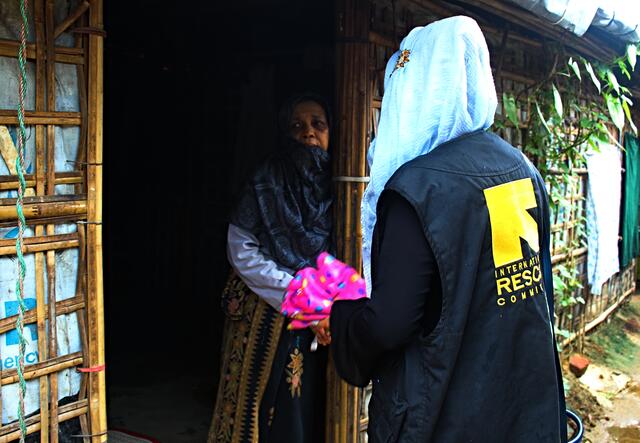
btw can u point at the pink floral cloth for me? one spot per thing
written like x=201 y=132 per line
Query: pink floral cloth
x=311 y=293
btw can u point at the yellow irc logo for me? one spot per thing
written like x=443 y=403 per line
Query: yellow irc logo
x=510 y=221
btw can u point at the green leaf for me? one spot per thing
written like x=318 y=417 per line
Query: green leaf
x=632 y=55
x=594 y=79
x=623 y=68
x=558 y=283
x=615 y=110
x=576 y=69
x=586 y=123
x=557 y=101
x=627 y=112
x=542 y=119
x=612 y=80
x=563 y=333
x=510 y=108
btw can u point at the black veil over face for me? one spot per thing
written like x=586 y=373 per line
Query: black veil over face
x=287 y=202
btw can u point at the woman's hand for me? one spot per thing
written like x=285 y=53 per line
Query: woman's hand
x=322 y=331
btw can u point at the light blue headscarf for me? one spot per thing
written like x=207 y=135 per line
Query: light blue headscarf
x=443 y=91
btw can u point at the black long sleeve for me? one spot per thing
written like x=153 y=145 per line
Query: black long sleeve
x=405 y=296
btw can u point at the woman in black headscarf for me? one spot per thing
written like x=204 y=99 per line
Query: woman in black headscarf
x=271 y=381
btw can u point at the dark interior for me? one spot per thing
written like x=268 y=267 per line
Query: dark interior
x=191 y=97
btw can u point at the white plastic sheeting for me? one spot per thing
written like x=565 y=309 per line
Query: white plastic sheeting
x=620 y=18
x=66 y=148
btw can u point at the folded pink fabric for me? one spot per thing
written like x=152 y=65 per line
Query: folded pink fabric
x=312 y=291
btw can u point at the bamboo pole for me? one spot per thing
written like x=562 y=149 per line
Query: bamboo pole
x=53 y=339
x=41 y=239
x=353 y=104
x=558 y=258
x=82 y=322
x=41 y=312
x=43 y=368
x=9 y=48
x=50 y=259
x=81 y=157
x=45 y=220
x=62 y=307
x=44 y=210
x=9 y=182
x=45 y=199
x=48 y=247
x=73 y=16
x=10 y=117
x=95 y=301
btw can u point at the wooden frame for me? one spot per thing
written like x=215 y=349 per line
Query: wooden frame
x=44 y=210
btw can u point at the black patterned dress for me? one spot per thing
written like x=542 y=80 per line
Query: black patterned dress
x=271 y=385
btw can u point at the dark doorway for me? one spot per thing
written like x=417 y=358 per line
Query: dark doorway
x=191 y=93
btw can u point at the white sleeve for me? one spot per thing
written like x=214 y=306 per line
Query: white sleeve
x=259 y=273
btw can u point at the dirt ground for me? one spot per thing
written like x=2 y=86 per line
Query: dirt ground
x=607 y=396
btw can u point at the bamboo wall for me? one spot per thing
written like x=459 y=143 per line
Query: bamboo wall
x=368 y=32
x=63 y=210
x=353 y=96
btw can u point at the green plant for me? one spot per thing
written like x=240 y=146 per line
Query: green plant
x=569 y=113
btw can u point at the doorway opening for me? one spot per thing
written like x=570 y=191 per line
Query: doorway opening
x=191 y=99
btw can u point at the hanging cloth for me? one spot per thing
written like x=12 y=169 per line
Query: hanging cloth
x=603 y=214
x=630 y=230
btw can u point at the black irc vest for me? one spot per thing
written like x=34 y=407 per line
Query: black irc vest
x=487 y=373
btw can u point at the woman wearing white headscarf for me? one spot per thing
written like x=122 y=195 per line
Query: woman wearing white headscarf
x=457 y=336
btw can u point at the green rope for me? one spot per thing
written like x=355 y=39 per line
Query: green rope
x=22 y=137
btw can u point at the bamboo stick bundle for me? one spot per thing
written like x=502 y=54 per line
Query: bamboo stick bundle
x=67 y=412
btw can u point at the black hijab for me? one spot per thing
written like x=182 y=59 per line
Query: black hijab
x=287 y=203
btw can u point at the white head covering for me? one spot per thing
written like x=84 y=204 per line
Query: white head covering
x=443 y=91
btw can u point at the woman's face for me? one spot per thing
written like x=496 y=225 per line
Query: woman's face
x=309 y=125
